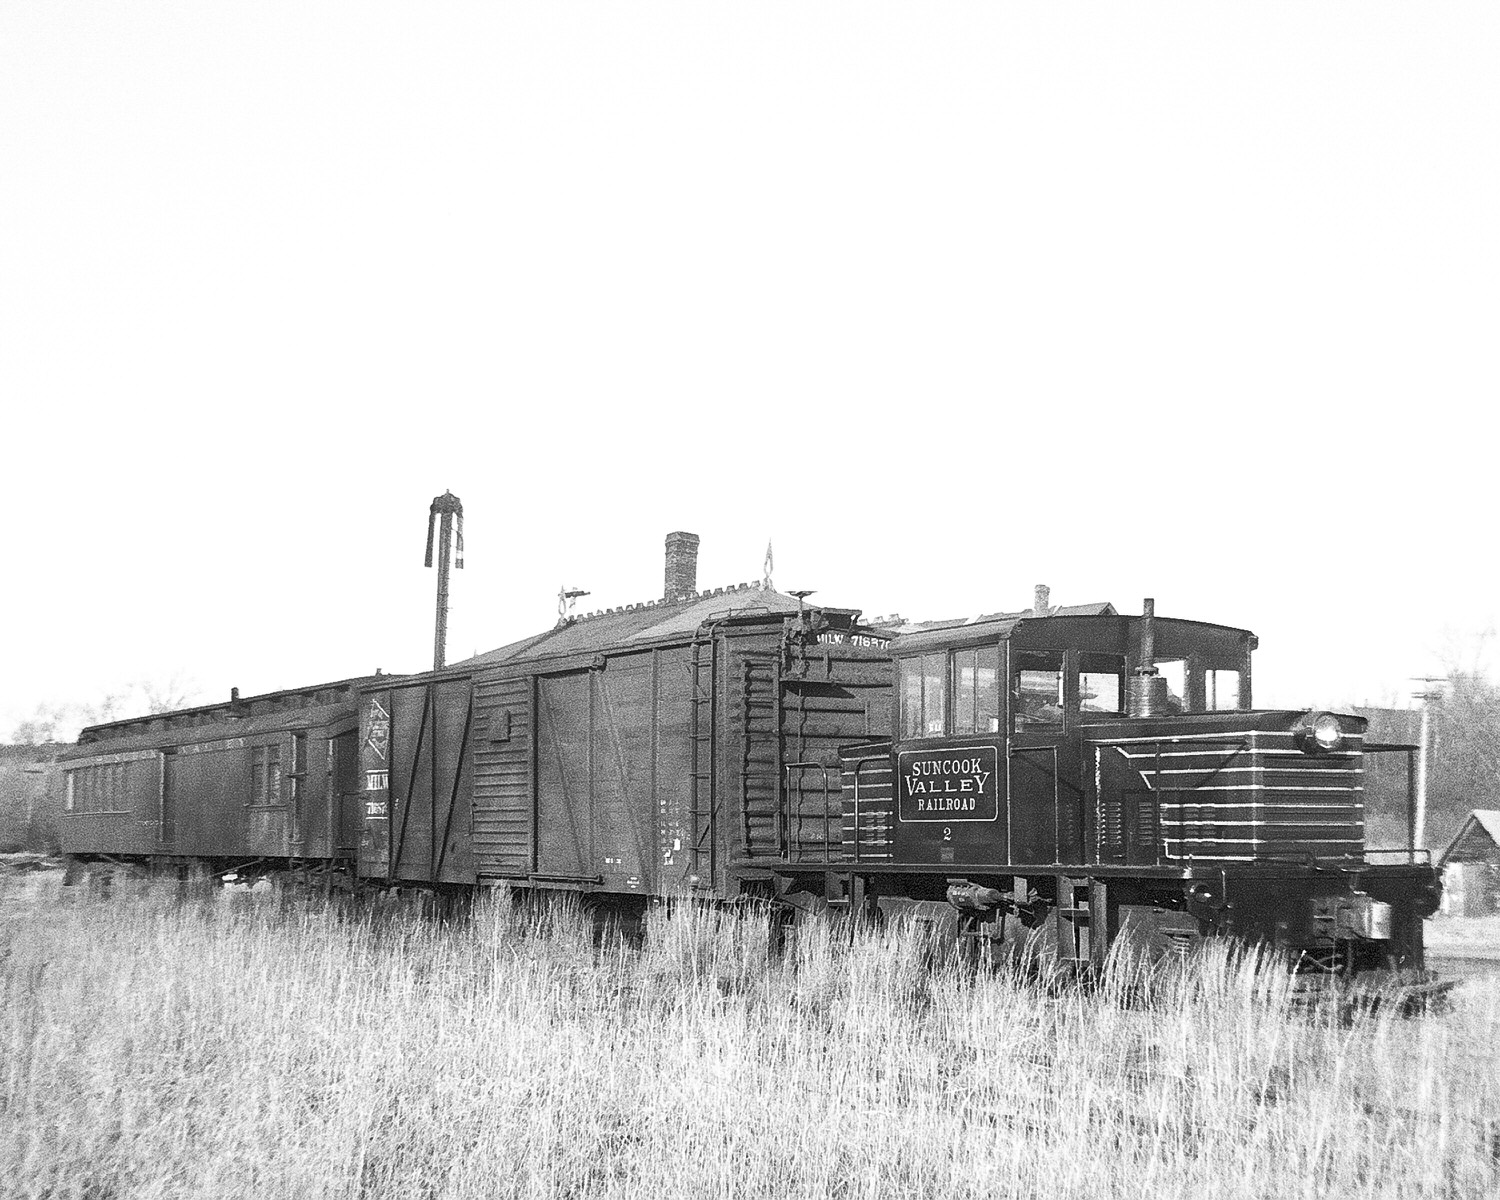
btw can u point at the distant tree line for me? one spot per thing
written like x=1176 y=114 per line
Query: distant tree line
x=61 y=722
x=1463 y=758
x=1463 y=770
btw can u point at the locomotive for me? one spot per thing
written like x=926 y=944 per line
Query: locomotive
x=1071 y=774
x=1100 y=774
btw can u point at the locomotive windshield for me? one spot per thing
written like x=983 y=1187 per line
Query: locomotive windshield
x=954 y=691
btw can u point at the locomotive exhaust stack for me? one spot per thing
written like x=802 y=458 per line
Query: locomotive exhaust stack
x=1146 y=693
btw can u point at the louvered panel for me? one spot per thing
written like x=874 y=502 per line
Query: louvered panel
x=1264 y=797
x=502 y=797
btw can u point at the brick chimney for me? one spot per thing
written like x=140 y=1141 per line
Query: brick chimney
x=682 y=565
x=1041 y=601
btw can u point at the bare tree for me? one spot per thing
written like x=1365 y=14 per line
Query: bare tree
x=54 y=722
x=167 y=695
x=1464 y=747
x=42 y=726
x=107 y=708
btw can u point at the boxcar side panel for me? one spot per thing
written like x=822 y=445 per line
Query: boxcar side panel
x=502 y=791
x=429 y=780
x=684 y=846
x=564 y=808
x=376 y=783
x=624 y=820
x=411 y=782
x=453 y=783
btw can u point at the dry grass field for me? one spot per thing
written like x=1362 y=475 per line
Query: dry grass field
x=224 y=1046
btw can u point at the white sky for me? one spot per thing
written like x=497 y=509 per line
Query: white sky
x=1196 y=301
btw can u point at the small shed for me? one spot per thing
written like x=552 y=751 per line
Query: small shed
x=1471 y=866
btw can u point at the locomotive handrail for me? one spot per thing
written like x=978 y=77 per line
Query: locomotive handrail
x=859 y=765
x=786 y=795
x=1411 y=753
x=1414 y=855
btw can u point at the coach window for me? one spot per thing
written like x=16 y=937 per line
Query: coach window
x=976 y=690
x=1037 y=686
x=265 y=774
x=923 y=695
x=1101 y=683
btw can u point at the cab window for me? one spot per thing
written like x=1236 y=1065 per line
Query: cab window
x=1101 y=683
x=1174 y=671
x=1221 y=689
x=1037 y=687
x=923 y=695
x=976 y=690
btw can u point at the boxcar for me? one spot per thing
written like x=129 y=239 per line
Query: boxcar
x=660 y=749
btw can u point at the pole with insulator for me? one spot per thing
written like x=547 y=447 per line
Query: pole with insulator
x=447 y=507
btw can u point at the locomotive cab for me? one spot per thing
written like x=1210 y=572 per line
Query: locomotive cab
x=993 y=717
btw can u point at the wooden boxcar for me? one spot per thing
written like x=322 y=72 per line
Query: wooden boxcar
x=660 y=749
x=255 y=784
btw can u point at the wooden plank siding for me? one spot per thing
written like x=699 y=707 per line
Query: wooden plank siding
x=503 y=792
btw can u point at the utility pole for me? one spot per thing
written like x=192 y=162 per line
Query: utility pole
x=447 y=506
x=1426 y=696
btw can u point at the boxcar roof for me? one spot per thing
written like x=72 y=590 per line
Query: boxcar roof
x=640 y=623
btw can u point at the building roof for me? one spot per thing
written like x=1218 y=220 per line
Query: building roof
x=650 y=621
x=1487 y=819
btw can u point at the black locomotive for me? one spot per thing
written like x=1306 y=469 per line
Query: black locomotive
x=1100 y=773
x=1071 y=772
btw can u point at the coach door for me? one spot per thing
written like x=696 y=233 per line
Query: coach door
x=169 y=786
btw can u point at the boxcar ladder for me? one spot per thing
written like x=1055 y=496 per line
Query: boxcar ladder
x=703 y=806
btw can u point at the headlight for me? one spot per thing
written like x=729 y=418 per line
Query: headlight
x=1319 y=733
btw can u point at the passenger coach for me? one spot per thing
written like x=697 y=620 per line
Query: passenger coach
x=259 y=785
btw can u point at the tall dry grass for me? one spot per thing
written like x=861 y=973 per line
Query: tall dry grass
x=230 y=1047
